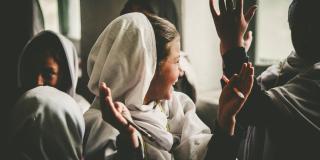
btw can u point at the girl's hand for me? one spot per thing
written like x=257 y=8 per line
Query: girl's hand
x=231 y=24
x=112 y=112
x=230 y=103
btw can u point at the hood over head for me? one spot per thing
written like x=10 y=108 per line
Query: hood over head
x=124 y=57
x=49 y=40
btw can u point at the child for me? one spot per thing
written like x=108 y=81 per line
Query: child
x=138 y=58
x=50 y=59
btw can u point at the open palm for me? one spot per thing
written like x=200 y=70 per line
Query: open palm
x=230 y=103
x=231 y=24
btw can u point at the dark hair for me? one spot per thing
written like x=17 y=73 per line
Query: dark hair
x=137 y=6
x=305 y=28
x=165 y=32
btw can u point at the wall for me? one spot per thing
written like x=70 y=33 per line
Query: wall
x=201 y=43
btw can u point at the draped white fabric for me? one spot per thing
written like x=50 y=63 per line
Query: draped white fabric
x=46 y=124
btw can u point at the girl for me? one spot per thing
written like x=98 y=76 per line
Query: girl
x=138 y=57
x=50 y=59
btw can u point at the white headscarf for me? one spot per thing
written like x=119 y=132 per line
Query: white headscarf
x=124 y=57
x=70 y=53
x=46 y=124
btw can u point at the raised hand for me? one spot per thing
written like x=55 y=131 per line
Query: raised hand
x=113 y=112
x=231 y=24
x=230 y=103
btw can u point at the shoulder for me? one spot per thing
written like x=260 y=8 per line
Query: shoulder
x=181 y=99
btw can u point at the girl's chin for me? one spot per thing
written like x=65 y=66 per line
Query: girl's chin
x=168 y=95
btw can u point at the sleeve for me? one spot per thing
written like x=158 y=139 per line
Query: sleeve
x=125 y=150
x=299 y=98
x=278 y=104
x=233 y=60
x=222 y=146
x=100 y=137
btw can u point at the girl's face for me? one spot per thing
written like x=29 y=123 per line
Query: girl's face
x=166 y=75
x=45 y=71
x=48 y=73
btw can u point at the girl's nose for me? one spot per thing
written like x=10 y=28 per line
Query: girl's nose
x=40 y=80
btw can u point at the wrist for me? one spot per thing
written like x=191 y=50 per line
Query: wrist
x=227 y=124
x=226 y=46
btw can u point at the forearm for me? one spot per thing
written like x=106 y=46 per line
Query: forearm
x=233 y=60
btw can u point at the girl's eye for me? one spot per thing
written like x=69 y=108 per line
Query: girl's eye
x=47 y=73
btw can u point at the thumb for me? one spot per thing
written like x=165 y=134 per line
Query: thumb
x=104 y=90
x=250 y=13
x=248 y=40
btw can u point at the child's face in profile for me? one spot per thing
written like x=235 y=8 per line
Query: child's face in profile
x=161 y=86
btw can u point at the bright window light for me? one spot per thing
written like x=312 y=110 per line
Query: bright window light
x=273 y=33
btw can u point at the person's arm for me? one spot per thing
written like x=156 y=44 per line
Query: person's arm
x=259 y=106
x=226 y=136
x=231 y=25
x=223 y=146
x=128 y=141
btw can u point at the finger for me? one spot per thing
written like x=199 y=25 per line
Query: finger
x=119 y=107
x=134 y=138
x=248 y=40
x=250 y=72
x=222 y=7
x=248 y=36
x=250 y=13
x=109 y=107
x=242 y=71
x=105 y=99
x=247 y=72
x=249 y=79
x=212 y=9
x=250 y=69
x=104 y=90
x=230 y=6
x=239 y=8
x=249 y=85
